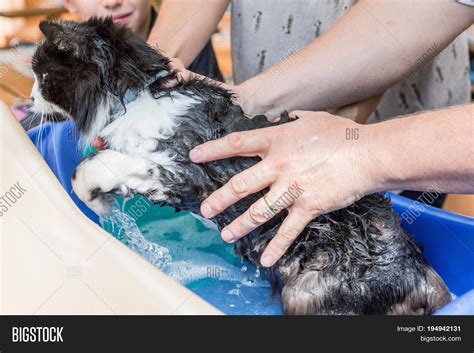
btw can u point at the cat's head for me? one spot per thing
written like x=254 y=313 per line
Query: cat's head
x=84 y=69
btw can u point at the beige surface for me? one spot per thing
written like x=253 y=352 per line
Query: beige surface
x=53 y=260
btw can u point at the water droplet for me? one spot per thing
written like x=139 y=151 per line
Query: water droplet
x=257 y=272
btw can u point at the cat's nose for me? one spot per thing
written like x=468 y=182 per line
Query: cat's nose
x=32 y=99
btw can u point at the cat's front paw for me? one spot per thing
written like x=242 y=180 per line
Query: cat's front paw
x=108 y=172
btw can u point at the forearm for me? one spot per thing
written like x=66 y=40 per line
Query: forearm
x=360 y=111
x=424 y=150
x=184 y=27
x=372 y=47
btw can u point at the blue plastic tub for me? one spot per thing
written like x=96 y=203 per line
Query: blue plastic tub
x=447 y=238
x=448 y=243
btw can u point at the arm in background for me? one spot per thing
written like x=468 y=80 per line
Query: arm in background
x=372 y=47
x=184 y=27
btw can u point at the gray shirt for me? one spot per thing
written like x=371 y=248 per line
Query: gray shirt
x=266 y=31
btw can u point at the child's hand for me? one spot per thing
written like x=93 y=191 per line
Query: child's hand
x=182 y=74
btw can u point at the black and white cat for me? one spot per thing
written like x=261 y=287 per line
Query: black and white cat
x=356 y=260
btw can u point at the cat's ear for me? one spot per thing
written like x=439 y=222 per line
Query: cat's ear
x=51 y=30
x=61 y=37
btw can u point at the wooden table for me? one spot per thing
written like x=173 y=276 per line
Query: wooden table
x=13 y=84
x=30 y=12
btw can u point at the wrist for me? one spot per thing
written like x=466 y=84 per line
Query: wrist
x=255 y=98
x=383 y=174
x=245 y=98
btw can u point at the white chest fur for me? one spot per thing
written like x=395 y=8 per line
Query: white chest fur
x=145 y=121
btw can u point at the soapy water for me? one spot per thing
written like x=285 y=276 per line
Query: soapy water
x=193 y=253
x=124 y=228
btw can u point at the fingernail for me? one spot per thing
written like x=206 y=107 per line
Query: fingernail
x=195 y=154
x=227 y=235
x=206 y=210
x=267 y=260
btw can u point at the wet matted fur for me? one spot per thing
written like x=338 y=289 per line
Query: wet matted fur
x=357 y=260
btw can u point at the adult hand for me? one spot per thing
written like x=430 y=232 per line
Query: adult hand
x=320 y=158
